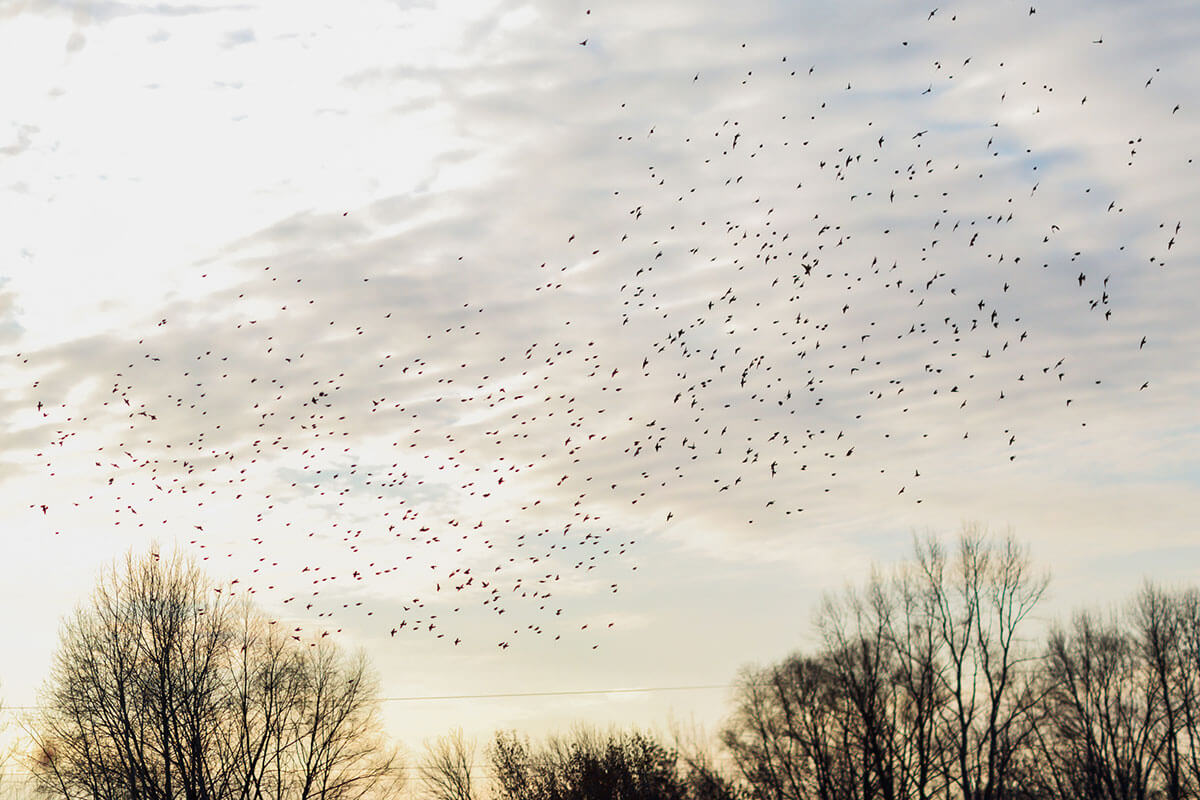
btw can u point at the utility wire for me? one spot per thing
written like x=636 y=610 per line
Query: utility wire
x=562 y=693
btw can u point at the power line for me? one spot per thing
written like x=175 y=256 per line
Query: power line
x=563 y=693
x=495 y=695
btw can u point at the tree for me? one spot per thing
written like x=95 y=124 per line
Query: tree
x=1097 y=737
x=925 y=686
x=446 y=767
x=980 y=603
x=165 y=689
x=588 y=765
x=1185 y=685
x=1162 y=623
x=702 y=778
x=1121 y=715
x=789 y=734
x=886 y=657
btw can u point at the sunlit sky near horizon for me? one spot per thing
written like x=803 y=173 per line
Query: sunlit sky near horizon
x=601 y=337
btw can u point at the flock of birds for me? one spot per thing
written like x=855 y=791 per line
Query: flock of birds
x=784 y=297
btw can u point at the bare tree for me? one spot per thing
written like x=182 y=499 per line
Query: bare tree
x=703 y=778
x=1164 y=627
x=1160 y=622
x=861 y=663
x=164 y=689
x=1186 y=686
x=980 y=603
x=788 y=734
x=918 y=677
x=925 y=687
x=445 y=768
x=886 y=656
x=1099 y=735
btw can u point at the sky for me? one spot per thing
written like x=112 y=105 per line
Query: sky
x=602 y=338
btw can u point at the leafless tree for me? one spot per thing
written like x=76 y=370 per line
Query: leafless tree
x=1099 y=737
x=1121 y=718
x=918 y=678
x=788 y=734
x=882 y=645
x=445 y=768
x=1186 y=686
x=926 y=686
x=980 y=603
x=1160 y=621
x=861 y=663
x=164 y=689
x=697 y=754
x=1165 y=629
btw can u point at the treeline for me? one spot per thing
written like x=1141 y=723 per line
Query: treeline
x=933 y=682
x=934 y=679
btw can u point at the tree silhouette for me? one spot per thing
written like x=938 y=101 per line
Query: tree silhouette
x=925 y=687
x=163 y=688
x=445 y=768
x=589 y=765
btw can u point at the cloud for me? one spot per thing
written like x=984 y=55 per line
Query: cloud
x=24 y=140
x=105 y=10
x=76 y=41
x=239 y=37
